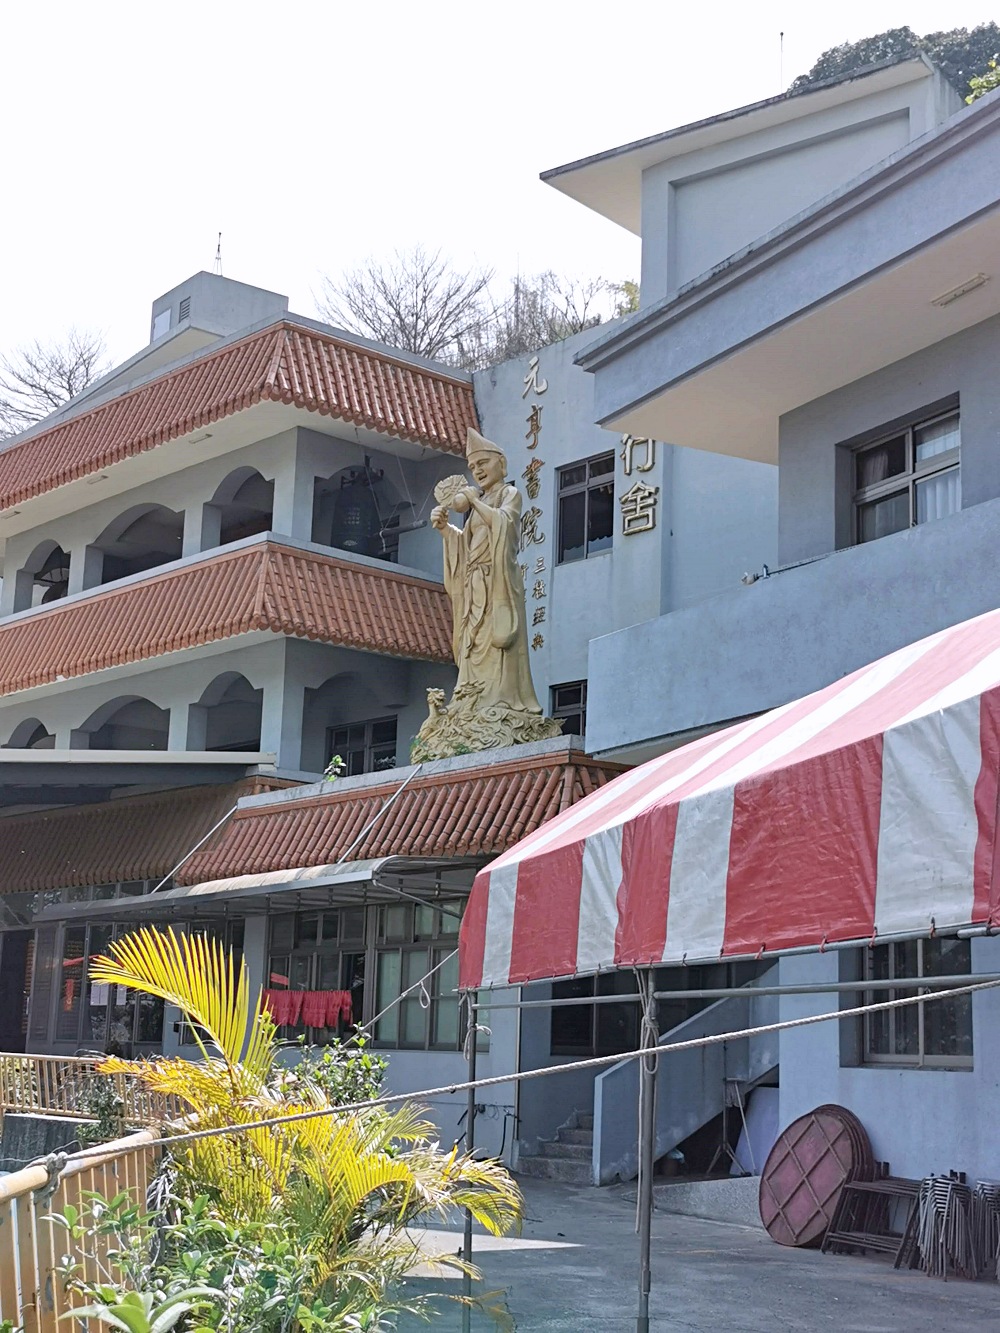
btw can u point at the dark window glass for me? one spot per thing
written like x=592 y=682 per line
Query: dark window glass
x=364 y=747
x=572 y=526
x=569 y=704
x=586 y=508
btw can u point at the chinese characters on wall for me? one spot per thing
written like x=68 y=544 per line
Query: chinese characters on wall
x=532 y=534
x=638 y=503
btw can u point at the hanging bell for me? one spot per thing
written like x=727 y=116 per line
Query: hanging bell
x=356 y=525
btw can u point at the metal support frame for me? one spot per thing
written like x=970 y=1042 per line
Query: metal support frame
x=472 y=1040
x=646 y=1151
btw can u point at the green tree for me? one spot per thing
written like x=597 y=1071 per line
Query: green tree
x=343 y=1186
x=984 y=83
x=961 y=54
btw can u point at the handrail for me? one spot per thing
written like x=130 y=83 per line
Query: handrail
x=36 y=1176
x=55 y=1085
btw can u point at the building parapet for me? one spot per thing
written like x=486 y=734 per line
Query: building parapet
x=261 y=586
x=787 y=635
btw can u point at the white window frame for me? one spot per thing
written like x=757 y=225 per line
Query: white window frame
x=906 y=481
x=923 y=1059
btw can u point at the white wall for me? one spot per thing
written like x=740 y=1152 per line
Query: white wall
x=919 y=1120
x=700 y=207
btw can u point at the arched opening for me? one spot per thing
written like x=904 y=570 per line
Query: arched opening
x=357 y=510
x=30 y=735
x=128 y=724
x=241 y=507
x=43 y=578
x=345 y=717
x=227 y=716
x=140 y=539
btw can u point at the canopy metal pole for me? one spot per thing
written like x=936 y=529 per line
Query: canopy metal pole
x=472 y=1040
x=646 y=1153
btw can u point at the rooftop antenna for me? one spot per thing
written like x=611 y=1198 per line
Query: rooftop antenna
x=218 y=257
x=781 y=66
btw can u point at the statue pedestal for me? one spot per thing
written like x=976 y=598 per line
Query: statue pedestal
x=465 y=726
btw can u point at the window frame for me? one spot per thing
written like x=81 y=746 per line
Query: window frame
x=589 y=484
x=315 y=951
x=368 y=746
x=923 y=1059
x=914 y=473
x=436 y=944
x=565 y=710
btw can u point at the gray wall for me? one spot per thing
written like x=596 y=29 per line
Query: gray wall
x=919 y=1120
x=814 y=473
x=700 y=207
x=716 y=517
x=785 y=636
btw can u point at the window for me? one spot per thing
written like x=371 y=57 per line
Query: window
x=586 y=508
x=364 y=747
x=96 y=1016
x=595 y=1029
x=927 y=1036
x=319 y=951
x=411 y=940
x=912 y=476
x=569 y=703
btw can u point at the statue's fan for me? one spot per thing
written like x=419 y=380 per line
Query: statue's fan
x=448 y=487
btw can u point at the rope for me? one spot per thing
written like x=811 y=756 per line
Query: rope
x=522 y=1076
x=472 y=1028
x=417 y=985
x=649 y=1035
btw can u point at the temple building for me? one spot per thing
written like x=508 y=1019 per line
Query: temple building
x=220 y=571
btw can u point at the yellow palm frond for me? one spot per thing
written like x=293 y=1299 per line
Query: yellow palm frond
x=197 y=975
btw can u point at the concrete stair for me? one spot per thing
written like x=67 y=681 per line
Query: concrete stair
x=567 y=1157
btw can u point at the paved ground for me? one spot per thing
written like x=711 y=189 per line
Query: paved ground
x=574 y=1270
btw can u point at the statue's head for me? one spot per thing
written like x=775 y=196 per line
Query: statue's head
x=487 y=461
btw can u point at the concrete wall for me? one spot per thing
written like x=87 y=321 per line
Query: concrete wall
x=546 y=1103
x=919 y=1120
x=716 y=517
x=757 y=647
x=306 y=686
x=814 y=511
x=700 y=207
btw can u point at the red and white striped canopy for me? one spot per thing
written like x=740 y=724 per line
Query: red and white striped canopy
x=868 y=808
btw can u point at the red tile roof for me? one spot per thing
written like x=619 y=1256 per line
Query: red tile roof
x=285 y=363
x=265 y=586
x=472 y=812
x=136 y=837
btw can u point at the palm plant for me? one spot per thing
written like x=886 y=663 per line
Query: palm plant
x=346 y=1185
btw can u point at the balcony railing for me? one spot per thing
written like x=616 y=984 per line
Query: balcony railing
x=31 y=1296
x=262 y=586
x=52 y=1085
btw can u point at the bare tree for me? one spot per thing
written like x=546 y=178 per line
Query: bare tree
x=537 y=311
x=41 y=376
x=415 y=302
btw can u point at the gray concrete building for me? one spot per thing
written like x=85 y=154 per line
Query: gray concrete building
x=820 y=292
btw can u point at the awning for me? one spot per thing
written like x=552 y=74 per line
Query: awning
x=345 y=882
x=866 y=809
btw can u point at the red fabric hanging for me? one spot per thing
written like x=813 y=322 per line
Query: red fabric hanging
x=338 y=1006
x=314 y=1004
x=285 y=1006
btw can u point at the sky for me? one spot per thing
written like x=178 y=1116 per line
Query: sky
x=314 y=135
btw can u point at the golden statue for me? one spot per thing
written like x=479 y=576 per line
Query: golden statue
x=494 y=701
